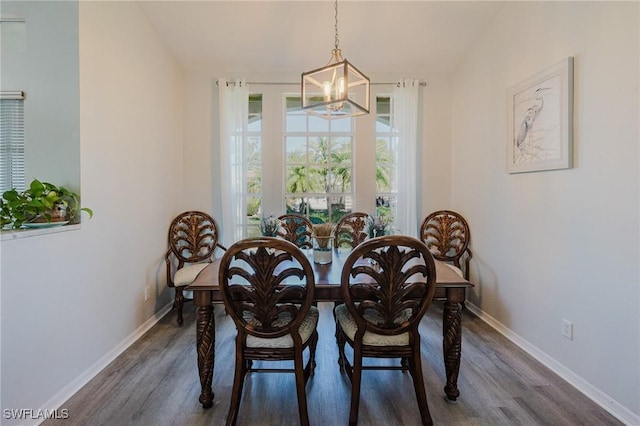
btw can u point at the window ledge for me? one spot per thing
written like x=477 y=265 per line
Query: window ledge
x=14 y=234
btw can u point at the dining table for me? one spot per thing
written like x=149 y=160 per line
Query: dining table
x=206 y=292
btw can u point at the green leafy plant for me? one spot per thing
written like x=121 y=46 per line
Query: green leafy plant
x=269 y=226
x=42 y=202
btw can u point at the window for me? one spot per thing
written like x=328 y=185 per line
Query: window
x=318 y=164
x=294 y=162
x=253 y=162
x=386 y=159
x=12 y=141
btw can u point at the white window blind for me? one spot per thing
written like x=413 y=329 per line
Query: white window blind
x=11 y=141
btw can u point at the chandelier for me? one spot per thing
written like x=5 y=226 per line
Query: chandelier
x=336 y=90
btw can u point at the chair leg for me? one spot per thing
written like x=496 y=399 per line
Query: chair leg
x=178 y=303
x=340 y=340
x=404 y=363
x=311 y=365
x=300 y=388
x=418 y=384
x=236 y=392
x=356 y=378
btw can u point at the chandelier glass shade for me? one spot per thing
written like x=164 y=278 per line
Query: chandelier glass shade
x=336 y=90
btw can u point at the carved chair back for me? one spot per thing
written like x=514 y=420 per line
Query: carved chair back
x=351 y=230
x=267 y=286
x=446 y=234
x=387 y=285
x=297 y=229
x=193 y=237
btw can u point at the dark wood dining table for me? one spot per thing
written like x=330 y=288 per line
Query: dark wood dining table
x=327 y=289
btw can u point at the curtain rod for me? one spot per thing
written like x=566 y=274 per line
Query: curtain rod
x=273 y=83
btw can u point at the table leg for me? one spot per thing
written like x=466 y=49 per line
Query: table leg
x=206 y=343
x=452 y=339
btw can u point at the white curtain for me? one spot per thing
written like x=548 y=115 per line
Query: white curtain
x=405 y=98
x=234 y=110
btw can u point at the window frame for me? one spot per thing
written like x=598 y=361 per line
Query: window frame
x=273 y=152
x=317 y=129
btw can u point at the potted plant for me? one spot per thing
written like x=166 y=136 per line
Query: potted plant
x=377 y=225
x=42 y=203
x=269 y=226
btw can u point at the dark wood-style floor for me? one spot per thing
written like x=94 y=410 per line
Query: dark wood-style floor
x=155 y=382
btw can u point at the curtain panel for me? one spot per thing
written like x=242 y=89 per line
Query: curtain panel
x=406 y=103
x=234 y=110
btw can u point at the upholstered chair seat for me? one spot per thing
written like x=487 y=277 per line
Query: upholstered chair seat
x=307 y=327
x=187 y=274
x=349 y=327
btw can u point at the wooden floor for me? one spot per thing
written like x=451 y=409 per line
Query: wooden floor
x=155 y=382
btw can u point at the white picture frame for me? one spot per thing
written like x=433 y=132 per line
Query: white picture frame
x=540 y=121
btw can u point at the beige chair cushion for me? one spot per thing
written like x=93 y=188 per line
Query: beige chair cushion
x=349 y=326
x=455 y=269
x=307 y=327
x=185 y=275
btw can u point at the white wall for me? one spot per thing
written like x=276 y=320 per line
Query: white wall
x=558 y=244
x=69 y=299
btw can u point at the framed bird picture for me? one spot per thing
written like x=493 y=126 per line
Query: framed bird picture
x=540 y=121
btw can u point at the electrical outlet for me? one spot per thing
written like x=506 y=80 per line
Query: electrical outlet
x=567 y=329
x=147 y=292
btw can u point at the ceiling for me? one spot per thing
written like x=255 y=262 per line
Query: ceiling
x=248 y=38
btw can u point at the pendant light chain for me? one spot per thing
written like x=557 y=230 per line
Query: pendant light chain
x=336 y=26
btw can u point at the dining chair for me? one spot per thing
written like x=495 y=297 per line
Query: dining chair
x=297 y=229
x=274 y=317
x=387 y=285
x=193 y=240
x=446 y=234
x=351 y=230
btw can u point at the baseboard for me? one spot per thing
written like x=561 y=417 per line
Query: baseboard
x=68 y=391
x=602 y=399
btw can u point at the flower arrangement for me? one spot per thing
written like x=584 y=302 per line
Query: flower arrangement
x=322 y=243
x=323 y=232
x=269 y=226
x=377 y=225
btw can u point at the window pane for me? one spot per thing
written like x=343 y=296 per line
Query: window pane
x=340 y=206
x=253 y=150
x=317 y=124
x=341 y=125
x=254 y=179
x=293 y=104
x=386 y=159
x=255 y=113
x=318 y=179
x=297 y=180
x=295 y=205
x=296 y=123
x=341 y=150
x=318 y=208
x=296 y=148
x=383 y=105
x=340 y=179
